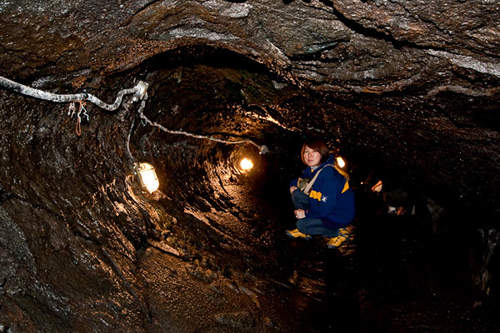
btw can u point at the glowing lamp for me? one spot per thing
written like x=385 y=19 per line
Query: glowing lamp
x=246 y=164
x=147 y=177
x=377 y=187
x=340 y=162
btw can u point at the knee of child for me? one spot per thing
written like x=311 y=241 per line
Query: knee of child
x=301 y=225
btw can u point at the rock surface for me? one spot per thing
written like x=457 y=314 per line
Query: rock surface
x=408 y=88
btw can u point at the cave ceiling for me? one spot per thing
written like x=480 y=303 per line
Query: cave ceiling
x=409 y=88
x=419 y=78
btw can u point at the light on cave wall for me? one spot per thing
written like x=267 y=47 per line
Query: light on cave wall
x=340 y=162
x=246 y=164
x=147 y=177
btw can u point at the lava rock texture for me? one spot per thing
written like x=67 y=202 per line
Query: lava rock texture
x=409 y=88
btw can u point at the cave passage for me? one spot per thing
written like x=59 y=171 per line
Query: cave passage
x=207 y=251
x=233 y=222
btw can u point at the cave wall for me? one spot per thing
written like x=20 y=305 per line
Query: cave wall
x=402 y=66
x=412 y=86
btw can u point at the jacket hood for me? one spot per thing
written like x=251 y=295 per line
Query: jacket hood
x=329 y=160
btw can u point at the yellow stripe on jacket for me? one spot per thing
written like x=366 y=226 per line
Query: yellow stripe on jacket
x=346 y=186
x=346 y=176
x=315 y=195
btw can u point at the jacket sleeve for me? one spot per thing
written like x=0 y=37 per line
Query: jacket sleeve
x=323 y=195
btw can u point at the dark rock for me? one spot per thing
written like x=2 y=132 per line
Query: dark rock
x=238 y=320
x=409 y=88
x=206 y=276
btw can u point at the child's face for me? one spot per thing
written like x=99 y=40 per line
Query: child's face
x=312 y=157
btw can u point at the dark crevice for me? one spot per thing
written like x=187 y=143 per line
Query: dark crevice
x=140 y=9
x=144 y=307
x=316 y=54
x=368 y=32
x=202 y=55
x=373 y=33
x=222 y=184
x=166 y=251
x=5 y=196
x=78 y=233
x=35 y=205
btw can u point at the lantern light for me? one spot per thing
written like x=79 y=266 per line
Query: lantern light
x=246 y=164
x=147 y=177
x=340 y=162
x=377 y=187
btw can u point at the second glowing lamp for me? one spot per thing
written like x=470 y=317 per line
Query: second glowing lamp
x=246 y=164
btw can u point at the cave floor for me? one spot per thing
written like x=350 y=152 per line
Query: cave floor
x=385 y=279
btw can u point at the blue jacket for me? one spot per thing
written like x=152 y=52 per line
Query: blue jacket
x=330 y=199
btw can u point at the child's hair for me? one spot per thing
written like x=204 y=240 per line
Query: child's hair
x=316 y=145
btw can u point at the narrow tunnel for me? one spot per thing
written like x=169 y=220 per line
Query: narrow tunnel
x=87 y=249
x=230 y=220
x=236 y=220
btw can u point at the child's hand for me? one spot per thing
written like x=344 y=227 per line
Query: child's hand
x=292 y=188
x=300 y=213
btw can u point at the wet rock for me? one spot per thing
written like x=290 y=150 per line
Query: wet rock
x=411 y=87
x=216 y=290
x=489 y=240
x=252 y=295
x=238 y=320
x=203 y=275
x=268 y=322
x=371 y=48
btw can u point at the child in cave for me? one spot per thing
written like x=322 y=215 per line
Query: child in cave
x=323 y=200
